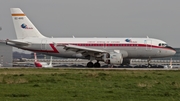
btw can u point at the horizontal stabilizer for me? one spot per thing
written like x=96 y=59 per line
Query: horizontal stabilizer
x=3 y=41
x=12 y=42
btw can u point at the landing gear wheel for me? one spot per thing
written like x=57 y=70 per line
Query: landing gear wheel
x=97 y=64
x=89 y=64
x=149 y=65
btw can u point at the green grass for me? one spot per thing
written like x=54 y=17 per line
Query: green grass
x=88 y=85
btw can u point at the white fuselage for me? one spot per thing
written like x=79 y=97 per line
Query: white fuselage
x=129 y=47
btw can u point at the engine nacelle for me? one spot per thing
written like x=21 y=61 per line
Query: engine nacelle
x=113 y=58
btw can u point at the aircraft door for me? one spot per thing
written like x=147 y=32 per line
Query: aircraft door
x=148 y=43
x=43 y=44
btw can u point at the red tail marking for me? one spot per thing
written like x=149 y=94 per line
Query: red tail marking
x=54 y=49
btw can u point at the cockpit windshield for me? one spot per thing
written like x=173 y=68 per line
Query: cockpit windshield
x=166 y=46
x=163 y=44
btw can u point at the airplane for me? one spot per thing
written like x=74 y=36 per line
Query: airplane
x=112 y=51
x=42 y=64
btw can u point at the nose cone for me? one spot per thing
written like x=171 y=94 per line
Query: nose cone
x=171 y=51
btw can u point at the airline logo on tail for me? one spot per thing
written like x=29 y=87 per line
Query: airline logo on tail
x=24 y=26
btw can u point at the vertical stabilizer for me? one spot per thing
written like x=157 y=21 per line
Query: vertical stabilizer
x=50 y=63
x=35 y=57
x=23 y=26
x=36 y=63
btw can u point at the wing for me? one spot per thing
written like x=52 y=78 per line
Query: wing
x=84 y=50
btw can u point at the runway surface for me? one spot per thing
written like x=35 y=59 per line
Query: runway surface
x=84 y=68
x=123 y=68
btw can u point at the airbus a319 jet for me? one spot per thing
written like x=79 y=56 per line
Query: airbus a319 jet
x=114 y=51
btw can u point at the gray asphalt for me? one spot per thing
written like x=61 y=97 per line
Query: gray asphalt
x=76 y=68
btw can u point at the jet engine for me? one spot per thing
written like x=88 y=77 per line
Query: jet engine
x=113 y=58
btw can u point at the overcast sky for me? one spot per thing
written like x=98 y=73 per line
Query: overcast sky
x=97 y=18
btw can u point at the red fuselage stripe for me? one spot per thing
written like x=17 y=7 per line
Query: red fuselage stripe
x=54 y=50
x=112 y=45
x=46 y=51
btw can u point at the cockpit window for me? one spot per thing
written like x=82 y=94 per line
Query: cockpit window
x=159 y=44
x=163 y=44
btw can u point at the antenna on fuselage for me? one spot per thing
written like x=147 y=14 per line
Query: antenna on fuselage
x=73 y=36
x=147 y=36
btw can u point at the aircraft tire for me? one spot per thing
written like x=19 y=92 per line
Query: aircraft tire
x=97 y=64
x=90 y=64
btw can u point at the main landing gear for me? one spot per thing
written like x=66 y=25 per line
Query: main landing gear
x=90 y=64
x=149 y=61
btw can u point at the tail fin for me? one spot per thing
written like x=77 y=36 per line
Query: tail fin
x=36 y=63
x=50 y=63
x=35 y=57
x=23 y=26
